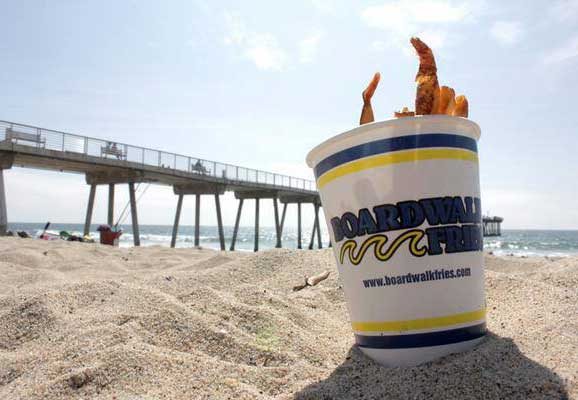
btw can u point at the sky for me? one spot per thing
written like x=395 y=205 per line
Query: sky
x=259 y=84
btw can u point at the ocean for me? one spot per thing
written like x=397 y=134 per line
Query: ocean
x=518 y=242
x=160 y=235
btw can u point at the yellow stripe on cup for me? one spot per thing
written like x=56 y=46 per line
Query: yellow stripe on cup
x=395 y=158
x=416 y=324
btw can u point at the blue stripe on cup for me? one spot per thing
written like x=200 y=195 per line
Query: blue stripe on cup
x=383 y=146
x=422 y=339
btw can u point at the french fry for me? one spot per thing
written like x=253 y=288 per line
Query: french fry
x=436 y=102
x=403 y=113
x=449 y=110
x=446 y=95
x=426 y=78
x=430 y=97
x=461 y=108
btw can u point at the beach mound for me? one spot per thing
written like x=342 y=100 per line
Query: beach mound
x=87 y=321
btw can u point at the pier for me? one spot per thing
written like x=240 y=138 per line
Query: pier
x=492 y=226
x=107 y=163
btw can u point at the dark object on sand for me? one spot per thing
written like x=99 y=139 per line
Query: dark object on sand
x=23 y=234
x=44 y=231
x=109 y=235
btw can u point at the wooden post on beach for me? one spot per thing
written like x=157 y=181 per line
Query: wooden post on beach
x=197 y=218
x=236 y=228
x=89 y=209
x=135 y=232
x=277 y=225
x=177 y=218
x=3 y=206
x=318 y=228
x=110 y=219
x=298 y=225
x=256 y=247
x=220 y=222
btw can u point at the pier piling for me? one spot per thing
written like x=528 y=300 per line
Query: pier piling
x=133 y=213
x=236 y=228
x=3 y=207
x=299 y=225
x=492 y=226
x=177 y=219
x=282 y=219
x=197 y=218
x=89 y=208
x=256 y=247
x=318 y=227
x=277 y=224
x=312 y=240
x=110 y=219
x=219 y=222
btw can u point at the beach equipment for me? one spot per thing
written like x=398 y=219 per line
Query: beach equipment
x=48 y=235
x=402 y=205
x=109 y=235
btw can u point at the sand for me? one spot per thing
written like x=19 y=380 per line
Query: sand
x=86 y=321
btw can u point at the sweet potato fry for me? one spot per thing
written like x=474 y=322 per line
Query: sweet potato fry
x=446 y=96
x=461 y=108
x=436 y=102
x=449 y=110
x=367 y=110
x=403 y=113
x=426 y=78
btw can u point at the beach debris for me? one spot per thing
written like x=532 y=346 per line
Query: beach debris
x=79 y=379
x=23 y=234
x=312 y=281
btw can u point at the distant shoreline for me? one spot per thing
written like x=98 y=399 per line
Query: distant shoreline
x=520 y=242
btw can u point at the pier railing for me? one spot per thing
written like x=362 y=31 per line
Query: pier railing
x=68 y=142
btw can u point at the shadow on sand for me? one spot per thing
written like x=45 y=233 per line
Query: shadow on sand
x=495 y=369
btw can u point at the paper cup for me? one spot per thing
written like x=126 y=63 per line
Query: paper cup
x=402 y=204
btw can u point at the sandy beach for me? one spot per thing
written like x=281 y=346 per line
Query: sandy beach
x=87 y=321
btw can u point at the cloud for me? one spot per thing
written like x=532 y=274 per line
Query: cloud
x=266 y=53
x=261 y=48
x=377 y=46
x=324 y=6
x=563 y=53
x=308 y=48
x=506 y=32
x=418 y=17
x=434 y=38
x=564 y=10
x=404 y=16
